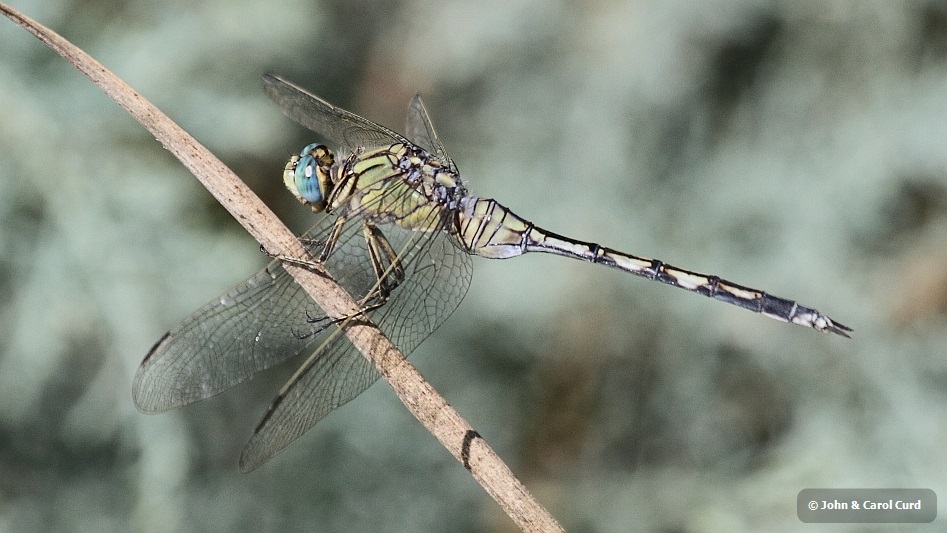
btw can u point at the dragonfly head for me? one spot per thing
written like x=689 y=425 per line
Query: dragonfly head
x=307 y=176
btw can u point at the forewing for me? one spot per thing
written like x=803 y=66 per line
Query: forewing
x=420 y=131
x=252 y=327
x=337 y=125
x=437 y=277
x=260 y=323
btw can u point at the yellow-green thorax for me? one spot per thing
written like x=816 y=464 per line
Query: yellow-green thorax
x=398 y=184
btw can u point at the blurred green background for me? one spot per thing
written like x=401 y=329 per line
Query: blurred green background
x=795 y=147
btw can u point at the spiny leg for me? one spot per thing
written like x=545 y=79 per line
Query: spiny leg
x=381 y=254
x=389 y=273
x=329 y=244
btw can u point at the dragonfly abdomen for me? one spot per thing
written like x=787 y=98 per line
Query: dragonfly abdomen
x=488 y=229
x=712 y=286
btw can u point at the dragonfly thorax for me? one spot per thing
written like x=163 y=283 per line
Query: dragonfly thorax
x=432 y=177
x=399 y=183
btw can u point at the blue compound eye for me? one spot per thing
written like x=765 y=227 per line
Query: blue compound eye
x=307 y=182
x=308 y=176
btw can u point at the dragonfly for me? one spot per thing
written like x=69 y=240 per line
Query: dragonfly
x=397 y=232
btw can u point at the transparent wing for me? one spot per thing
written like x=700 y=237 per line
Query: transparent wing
x=269 y=319
x=420 y=131
x=260 y=323
x=250 y=328
x=348 y=130
x=437 y=275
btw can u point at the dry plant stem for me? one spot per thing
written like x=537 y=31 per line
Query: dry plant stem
x=420 y=398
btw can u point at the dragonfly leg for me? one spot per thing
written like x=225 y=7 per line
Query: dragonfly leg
x=332 y=239
x=312 y=243
x=327 y=246
x=268 y=253
x=385 y=263
x=389 y=273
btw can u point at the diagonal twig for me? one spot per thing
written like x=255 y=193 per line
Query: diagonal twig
x=460 y=439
